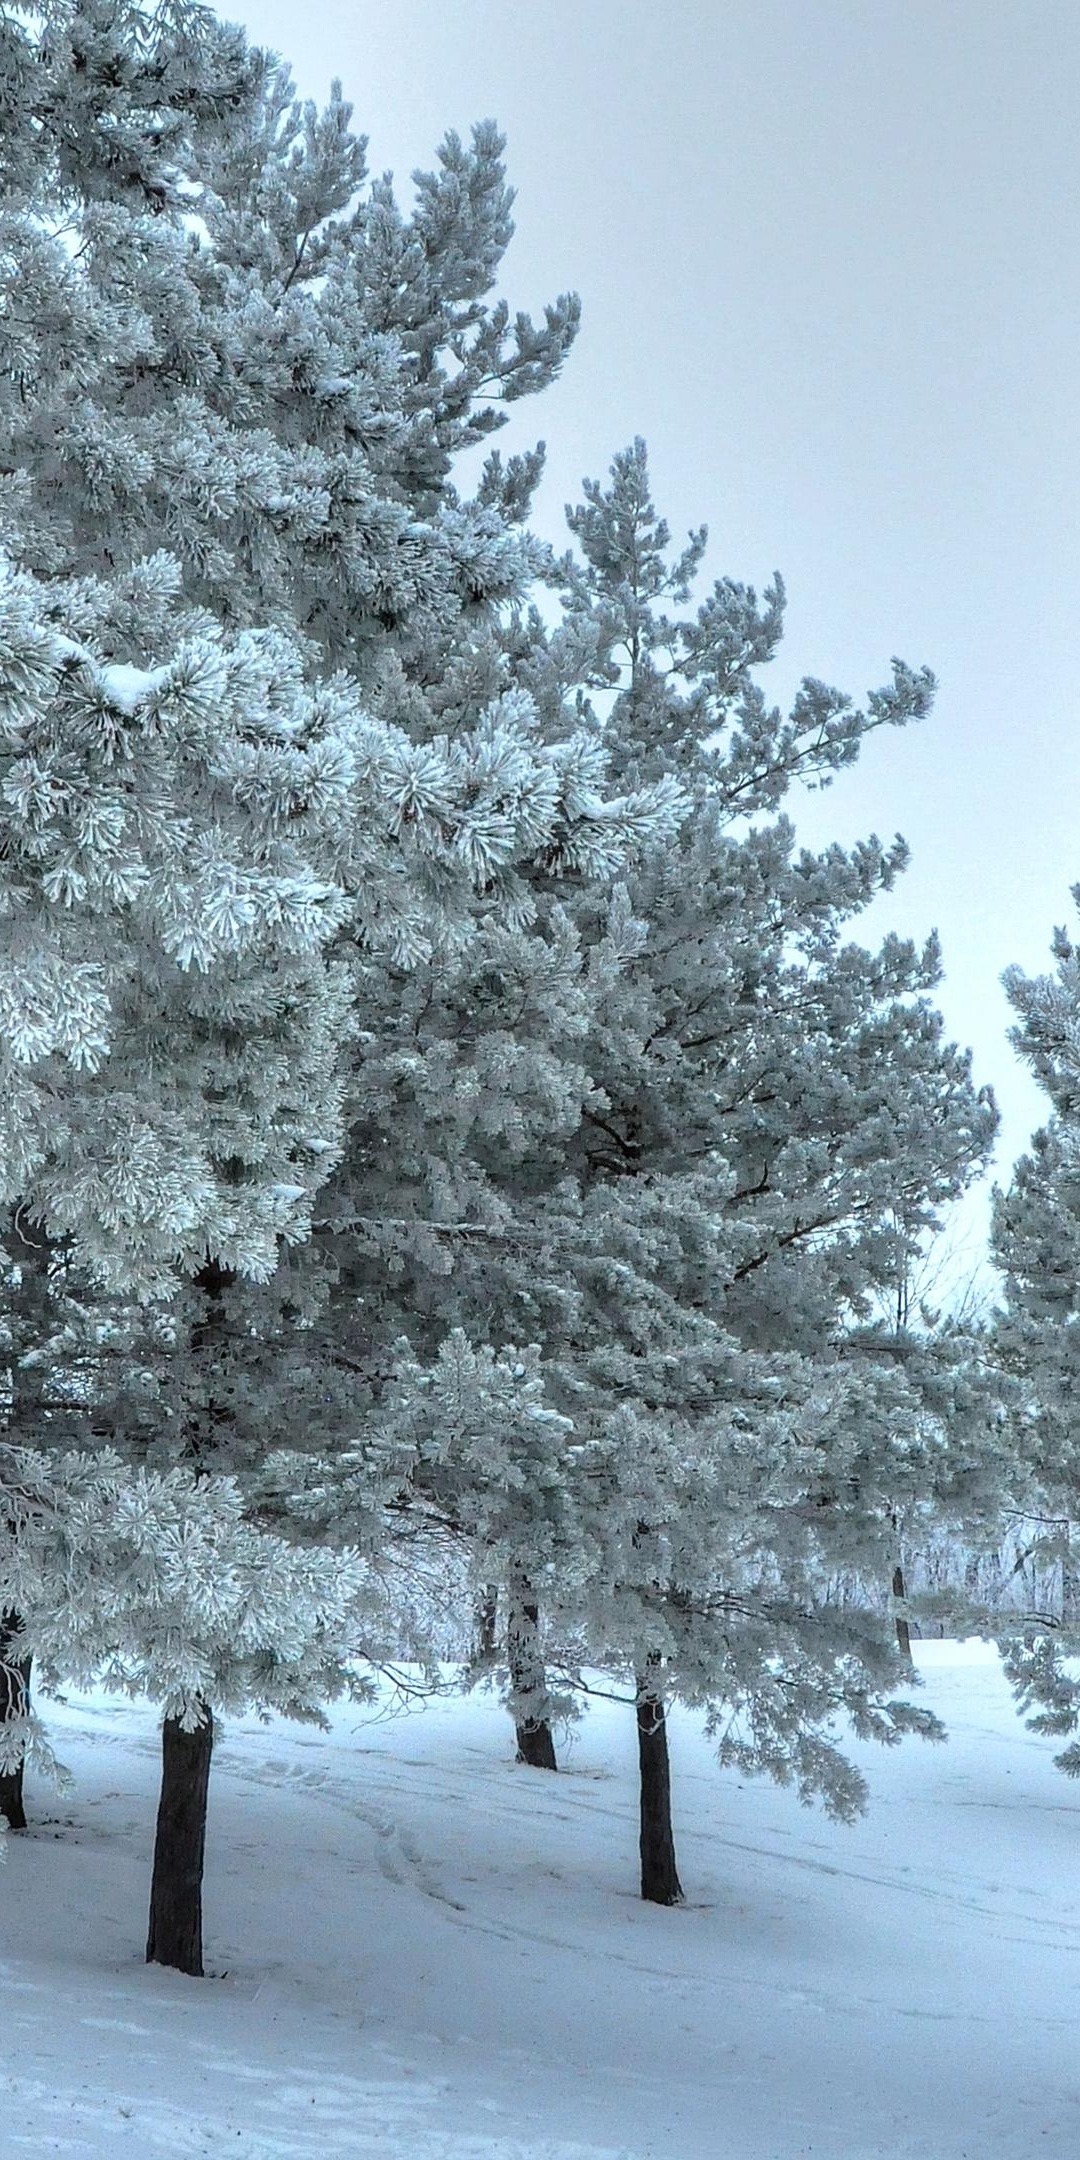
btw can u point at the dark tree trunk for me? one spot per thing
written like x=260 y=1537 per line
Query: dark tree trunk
x=33 y=1314
x=14 y=1703
x=528 y=1682
x=175 y=1932
x=903 y=1628
x=175 y=1936
x=660 y=1883
x=1070 y=1581
x=535 y=1745
x=486 y=1620
x=899 y=1587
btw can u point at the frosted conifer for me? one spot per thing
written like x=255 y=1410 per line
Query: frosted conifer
x=228 y=547
x=1036 y=1242
x=683 y=1153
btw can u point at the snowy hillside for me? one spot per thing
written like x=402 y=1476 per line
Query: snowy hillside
x=426 y=1953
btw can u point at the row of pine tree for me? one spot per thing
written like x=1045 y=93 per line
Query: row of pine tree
x=454 y=1145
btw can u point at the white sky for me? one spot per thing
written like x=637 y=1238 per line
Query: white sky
x=829 y=266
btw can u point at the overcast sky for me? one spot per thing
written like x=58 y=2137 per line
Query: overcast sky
x=829 y=266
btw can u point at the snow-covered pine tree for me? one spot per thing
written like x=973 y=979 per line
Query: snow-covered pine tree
x=1036 y=1244
x=674 y=1159
x=780 y=1113
x=214 y=850
x=369 y=355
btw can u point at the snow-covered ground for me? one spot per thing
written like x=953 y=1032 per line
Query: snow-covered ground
x=426 y=1953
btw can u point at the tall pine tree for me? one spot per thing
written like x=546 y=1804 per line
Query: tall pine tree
x=1036 y=1243
x=228 y=405
x=684 y=1163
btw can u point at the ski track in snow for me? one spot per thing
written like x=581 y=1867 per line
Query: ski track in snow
x=410 y=1867
x=428 y=1953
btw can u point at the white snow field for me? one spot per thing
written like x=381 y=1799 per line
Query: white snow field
x=424 y=1950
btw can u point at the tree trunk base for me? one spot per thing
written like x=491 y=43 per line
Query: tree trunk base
x=536 y=1747
x=14 y=1703
x=660 y=1883
x=11 y=1799
x=528 y=1682
x=175 y=1935
x=486 y=1622
x=903 y=1626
